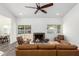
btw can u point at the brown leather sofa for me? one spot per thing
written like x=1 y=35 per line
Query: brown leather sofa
x=46 y=50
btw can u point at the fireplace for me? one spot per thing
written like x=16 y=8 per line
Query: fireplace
x=38 y=37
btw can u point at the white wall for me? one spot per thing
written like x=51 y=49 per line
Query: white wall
x=13 y=31
x=6 y=13
x=40 y=24
x=71 y=25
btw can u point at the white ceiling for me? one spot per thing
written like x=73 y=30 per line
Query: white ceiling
x=57 y=10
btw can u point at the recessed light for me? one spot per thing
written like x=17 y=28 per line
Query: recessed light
x=20 y=13
x=57 y=14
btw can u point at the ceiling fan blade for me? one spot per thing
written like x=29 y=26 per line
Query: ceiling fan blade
x=36 y=11
x=47 y=5
x=30 y=7
x=37 y=5
x=43 y=11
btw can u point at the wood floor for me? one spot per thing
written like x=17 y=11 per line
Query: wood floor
x=7 y=49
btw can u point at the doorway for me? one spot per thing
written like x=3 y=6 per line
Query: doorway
x=5 y=29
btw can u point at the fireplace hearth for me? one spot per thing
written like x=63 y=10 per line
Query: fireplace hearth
x=38 y=37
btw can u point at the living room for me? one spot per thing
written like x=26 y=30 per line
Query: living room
x=59 y=20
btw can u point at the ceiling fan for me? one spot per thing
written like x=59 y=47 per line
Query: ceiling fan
x=38 y=7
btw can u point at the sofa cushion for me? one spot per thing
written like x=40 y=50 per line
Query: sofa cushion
x=27 y=47
x=66 y=47
x=67 y=52
x=46 y=46
x=63 y=42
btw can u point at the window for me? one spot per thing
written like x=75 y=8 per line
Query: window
x=24 y=29
x=53 y=28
